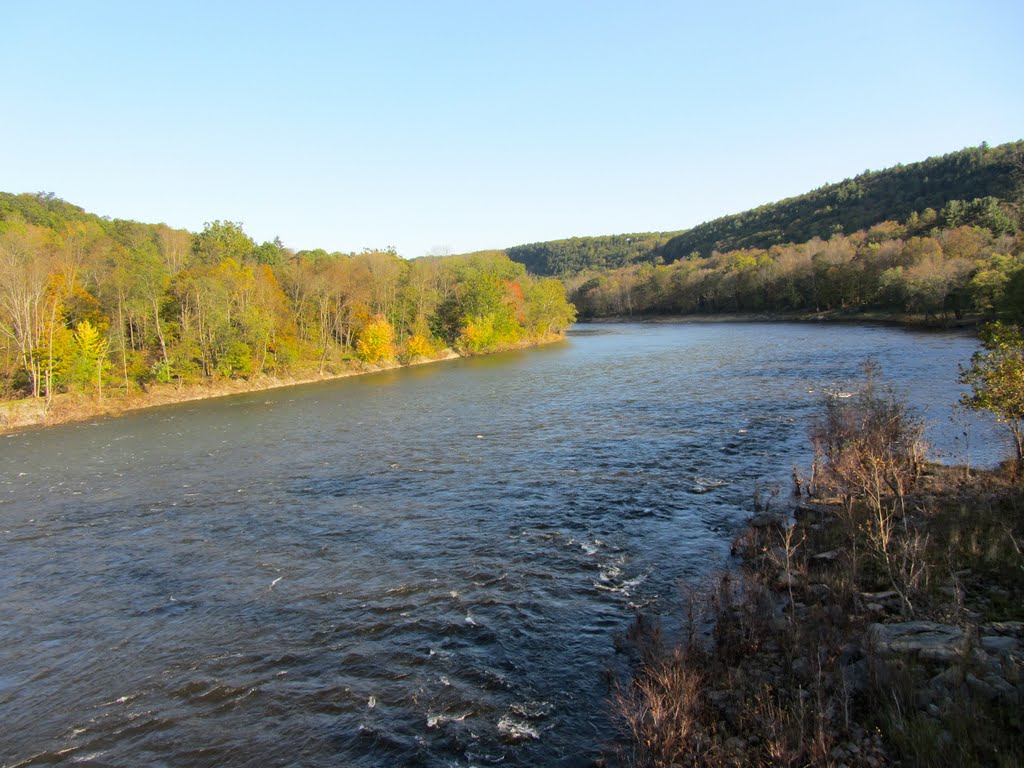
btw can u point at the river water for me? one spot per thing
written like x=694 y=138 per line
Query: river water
x=417 y=567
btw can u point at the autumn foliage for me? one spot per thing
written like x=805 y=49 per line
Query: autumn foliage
x=91 y=305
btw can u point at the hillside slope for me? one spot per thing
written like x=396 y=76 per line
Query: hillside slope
x=860 y=202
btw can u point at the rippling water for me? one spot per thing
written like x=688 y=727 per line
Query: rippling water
x=420 y=567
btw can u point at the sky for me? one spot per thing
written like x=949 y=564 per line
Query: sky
x=442 y=126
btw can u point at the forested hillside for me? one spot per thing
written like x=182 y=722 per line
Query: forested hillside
x=865 y=200
x=88 y=303
x=966 y=186
x=939 y=239
x=575 y=254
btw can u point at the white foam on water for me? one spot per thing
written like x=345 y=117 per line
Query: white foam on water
x=533 y=709
x=623 y=587
x=433 y=721
x=119 y=700
x=610 y=572
x=516 y=729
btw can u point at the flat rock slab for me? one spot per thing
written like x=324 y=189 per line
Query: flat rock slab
x=927 y=639
x=1000 y=645
x=1009 y=628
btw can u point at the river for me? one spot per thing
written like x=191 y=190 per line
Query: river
x=424 y=566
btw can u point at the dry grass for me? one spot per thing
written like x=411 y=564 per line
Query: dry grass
x=787 y=676
x=662 y=709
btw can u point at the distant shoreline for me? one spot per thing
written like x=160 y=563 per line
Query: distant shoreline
x=32 y=413
x=844 y=317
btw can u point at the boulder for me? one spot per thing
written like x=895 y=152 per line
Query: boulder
x=826 y=557
x=925 y=639
x=768 y=520
x=999 y=645
x=980 y=688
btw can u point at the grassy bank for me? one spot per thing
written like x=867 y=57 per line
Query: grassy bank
x=874 y=618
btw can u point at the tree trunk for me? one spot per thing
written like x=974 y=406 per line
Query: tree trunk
x=160 y=332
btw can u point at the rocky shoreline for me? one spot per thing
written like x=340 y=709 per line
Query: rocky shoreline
x=876 y=617
x=806 y=666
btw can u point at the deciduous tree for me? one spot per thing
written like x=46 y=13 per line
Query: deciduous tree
x=92 y=347
x=996 y=377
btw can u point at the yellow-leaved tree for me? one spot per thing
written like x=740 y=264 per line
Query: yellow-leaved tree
x=418 y=346
x=92 y=347
x=376 y=341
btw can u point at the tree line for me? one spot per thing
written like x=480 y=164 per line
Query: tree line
x=88 y=303
x=931 y=265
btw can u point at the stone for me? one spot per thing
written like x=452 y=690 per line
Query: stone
x=1002 y=688
x=787 y=580
x=925 y=639
x=857 y=676
x=924 y=697
x=880 y=597
x=819 y=591
x=947 y=679
x=1000 y=645
x=768 y=520
x=809 y=512
x=849 y=653
x=980 y=688
x=993 y=665
x=1012 y=628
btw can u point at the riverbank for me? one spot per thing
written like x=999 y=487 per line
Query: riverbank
x=844 y=316
x=68 y=408
x=856 y=628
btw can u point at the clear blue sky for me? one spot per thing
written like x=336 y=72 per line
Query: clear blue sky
x=471 y=125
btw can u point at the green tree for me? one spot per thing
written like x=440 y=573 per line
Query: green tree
x=270 y=252
x=546 y=309
x=221 y=240
x=988 y=286
x=996 y=377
